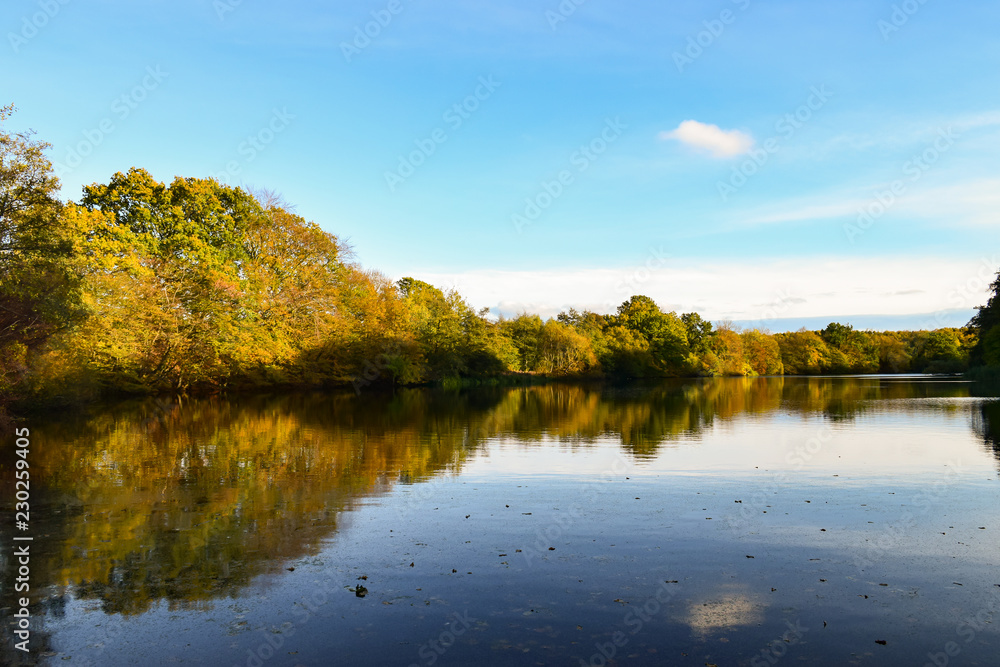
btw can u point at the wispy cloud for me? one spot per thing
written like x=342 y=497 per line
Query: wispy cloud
x=896 y=134
x=973 y=203
x=804 y=210
x=720 y=143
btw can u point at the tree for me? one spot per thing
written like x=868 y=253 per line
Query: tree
x=939 y=352
x=591 y=325
x=986 y=325
x=200 y=284
x=699 y=332
x=893 y=354
x=455 y=339
x=835 y=334
x=803 y=352
x=39 y=286
x=193 y=322
x=727 y=346
x=851 y=351
x=665 y=333
x=761 y=353
x=562 y=350
x=862 y=352
x=627 y=353
x=525 y=332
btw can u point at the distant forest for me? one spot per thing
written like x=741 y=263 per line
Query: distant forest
x=196 y=286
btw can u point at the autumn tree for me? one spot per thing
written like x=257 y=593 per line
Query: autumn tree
x=894 y=355
x=176 y=291
x=727 y=347
x=562 y=350
x=39 y=285
x=196 y=283
x=761 y=353
x=803 y=352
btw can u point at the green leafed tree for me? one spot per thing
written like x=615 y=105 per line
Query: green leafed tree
x=454 y=339
x=39 y=284
x=986 y=325
x=665 y=333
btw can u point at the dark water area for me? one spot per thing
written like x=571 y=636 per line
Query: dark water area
x=819 y=521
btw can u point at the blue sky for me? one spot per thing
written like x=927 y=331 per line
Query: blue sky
x=713 y=155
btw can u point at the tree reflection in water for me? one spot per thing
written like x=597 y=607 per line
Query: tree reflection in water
x=986 y=422
x=186 y=501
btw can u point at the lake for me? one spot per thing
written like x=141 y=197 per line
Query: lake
x=820 y=521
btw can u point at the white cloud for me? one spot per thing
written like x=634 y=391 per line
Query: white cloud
x=720 y=143
x=749 y=291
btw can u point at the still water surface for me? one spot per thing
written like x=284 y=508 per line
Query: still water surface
x=831 y=521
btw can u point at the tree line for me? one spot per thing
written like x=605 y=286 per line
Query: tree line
x=145 y=287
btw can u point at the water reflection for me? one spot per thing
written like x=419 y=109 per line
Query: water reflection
x=186 y=501
x=730 y=610
x=986 y=422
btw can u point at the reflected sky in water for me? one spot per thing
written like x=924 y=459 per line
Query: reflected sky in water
x=716 y=521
